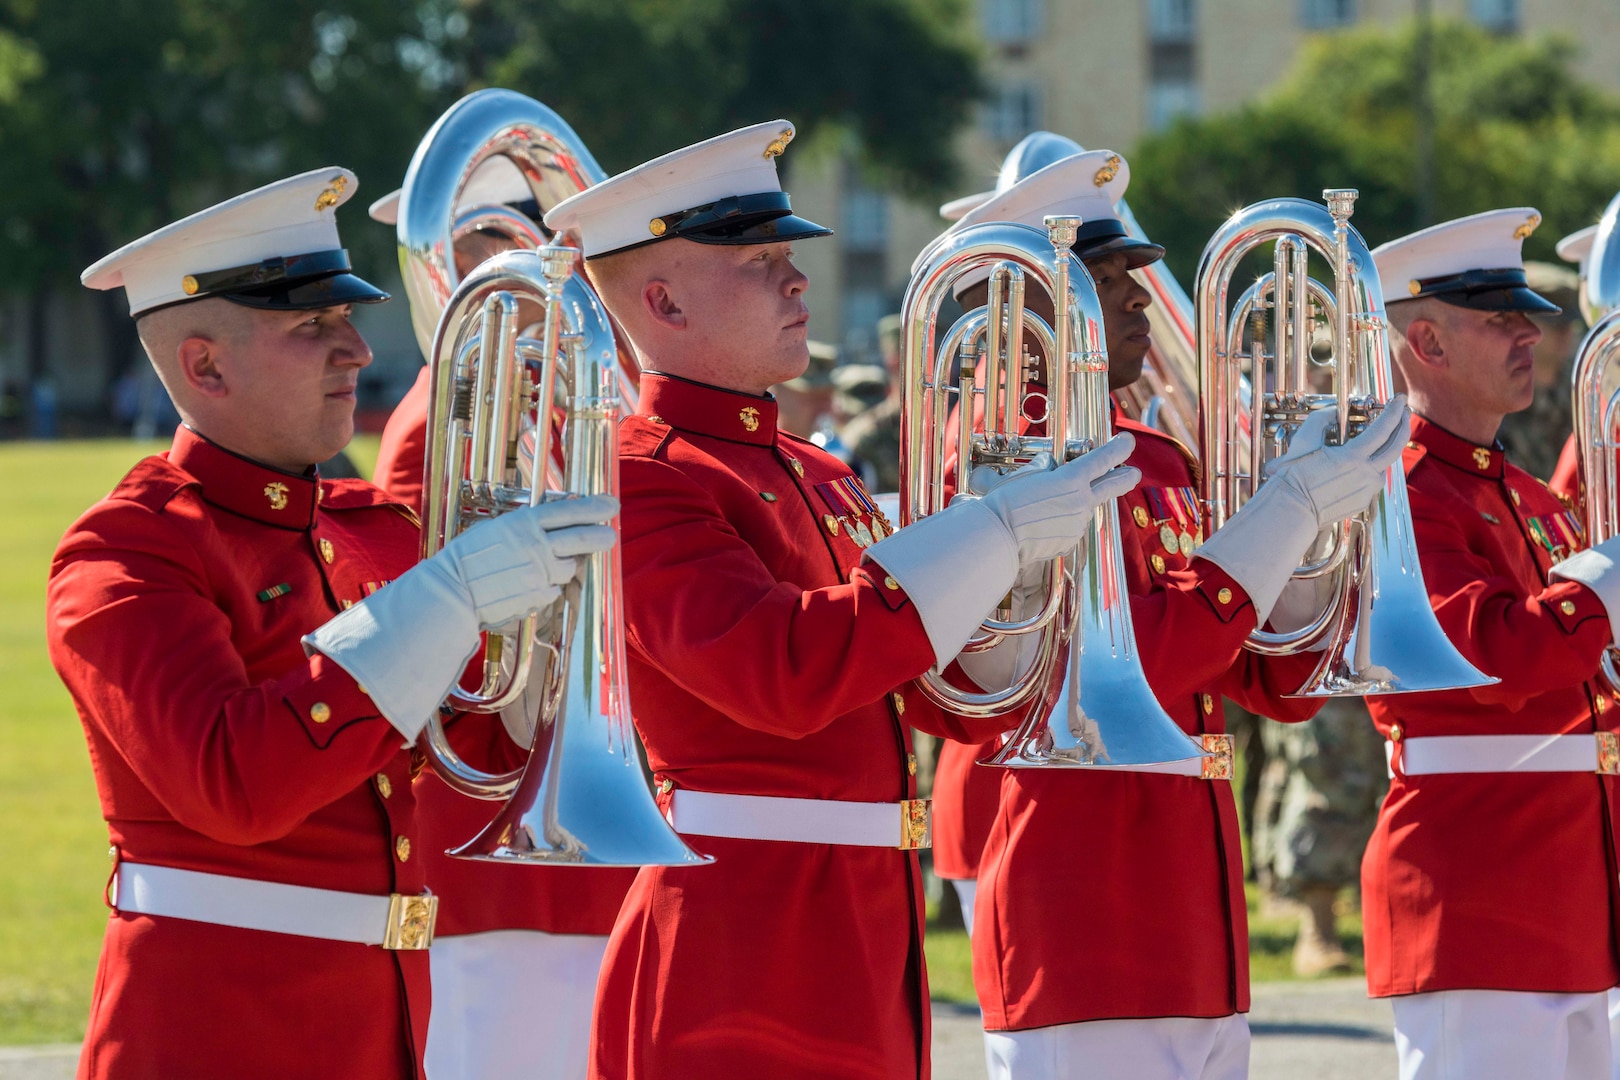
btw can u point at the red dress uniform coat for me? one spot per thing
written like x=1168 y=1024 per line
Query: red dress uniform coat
x=1145 y=915
x=966 y=795
x=1500 y=881
x=176 y=605
x=763 y=660
x=480 y=896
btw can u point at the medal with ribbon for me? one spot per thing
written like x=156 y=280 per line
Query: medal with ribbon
x=1559 y=534
x=847 y=494
x=1177 y=511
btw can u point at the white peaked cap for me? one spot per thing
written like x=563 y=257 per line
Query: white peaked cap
x=1034 y=152
x=1577 y=246
x=1475 y=261
x=953 y=210
x=282 y=235
x=1082 y=185
x=496 y=182
x=723 y=190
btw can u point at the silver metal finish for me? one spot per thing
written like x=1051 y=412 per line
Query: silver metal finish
x=1092 y=705
x=1379 y=632
x=1600 y=288
x=582 y=798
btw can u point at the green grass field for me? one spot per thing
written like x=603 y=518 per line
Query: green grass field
x=53 y=843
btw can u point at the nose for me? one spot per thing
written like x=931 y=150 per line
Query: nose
x=350 y=348
x=1138 y=299
x=1529 y=330
x=796 y=283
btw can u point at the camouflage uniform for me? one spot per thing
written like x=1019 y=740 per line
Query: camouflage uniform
x=873 y=439
x=1319 y=797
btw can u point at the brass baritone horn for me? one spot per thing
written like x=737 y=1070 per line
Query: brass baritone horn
x=1377 y=634
x=582 y=797
x=1087 y=700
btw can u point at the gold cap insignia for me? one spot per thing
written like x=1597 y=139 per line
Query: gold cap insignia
x=1482 y=457
x=749 y=418
x=329 y=198
x=1109 y=170
x=1414 y=286
x=657 y=226
x=778 y=145
x=188 y=285
x=1523 y=231
x=276 y=492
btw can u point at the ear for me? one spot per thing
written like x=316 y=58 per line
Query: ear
x=658 y=301
x=1423 y=342
x=198 y=359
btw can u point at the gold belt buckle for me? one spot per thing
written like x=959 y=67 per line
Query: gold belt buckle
x=1218 y=767
x=916 y=824
x=410 y=921
x=1608 y=743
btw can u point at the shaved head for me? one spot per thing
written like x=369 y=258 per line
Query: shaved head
x=1464 y=368
x=162 y=331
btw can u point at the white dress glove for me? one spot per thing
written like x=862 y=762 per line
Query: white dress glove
x=997 y=667
x=956 y=565
x=1309 y=488
x=1598 y=568
x=409 y=642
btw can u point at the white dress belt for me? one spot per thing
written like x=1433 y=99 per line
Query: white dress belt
x=1433 y=754
x=905 y=825
x=392 y=922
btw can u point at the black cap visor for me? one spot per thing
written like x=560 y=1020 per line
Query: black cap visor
x=309 y=293
x=292 y=282
x=763 y=218
x=1107 y=236
x=1485 y=290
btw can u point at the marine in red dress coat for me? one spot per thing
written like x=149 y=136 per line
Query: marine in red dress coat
x=214 y=619
x=769 y=665
x=1455 y=883
x=176 y=608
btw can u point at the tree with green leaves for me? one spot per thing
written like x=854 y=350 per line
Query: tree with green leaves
x=1513 y=125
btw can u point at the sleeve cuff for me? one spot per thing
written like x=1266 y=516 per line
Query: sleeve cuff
x=329 y=702
x=1220 y=590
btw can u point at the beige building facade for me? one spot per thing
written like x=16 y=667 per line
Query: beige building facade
x=1105 y=72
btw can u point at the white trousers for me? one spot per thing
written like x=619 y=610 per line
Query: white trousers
x=1502 y=1035
x=966 y=891
x=1614 y=1030
x=512 y=1003
x=1164 y=1048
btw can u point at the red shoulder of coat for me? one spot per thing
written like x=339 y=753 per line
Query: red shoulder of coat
x=351 y=494
x=641 y=436
x=153 y=483
x=1162 y=458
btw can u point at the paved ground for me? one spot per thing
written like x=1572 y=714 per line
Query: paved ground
x=1325 y=1030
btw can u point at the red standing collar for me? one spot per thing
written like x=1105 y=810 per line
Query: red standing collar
x=245 y=487
x=1486 y=461
x=708 y=410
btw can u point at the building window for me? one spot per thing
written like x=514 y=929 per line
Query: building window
x=1326 y=14
x=1170 y=21
x=866 y=220
x=1013 y=111
x=1012 y=22
x=1170 y=98
x=1499 y=15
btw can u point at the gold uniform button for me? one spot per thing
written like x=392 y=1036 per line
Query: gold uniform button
x=1395 y=733
x=1208 y=703
x=655 y=419
x=665 y=786
x=1158 y=563
x=797 y=467
x=911 y=764
x=328 y=553
x=1140 y=516
x=385 y=786
x=1602 y=703
x=890 y=584
x=899 y=703
x=1224 y=596
x=1567 y=607
x=402 y=848
x=831 y=523
x=1514 y=495
x=320 y=712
